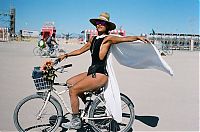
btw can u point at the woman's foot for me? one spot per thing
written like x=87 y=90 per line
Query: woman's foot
x=75 y=123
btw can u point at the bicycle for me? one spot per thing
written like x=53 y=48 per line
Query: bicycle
x=43 y=111
x=166 y=49
x=43 y=50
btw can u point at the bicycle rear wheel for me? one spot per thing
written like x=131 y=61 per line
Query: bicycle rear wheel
x=54 y=53
x=128 y=114
x=27 y=110
x=98 y=109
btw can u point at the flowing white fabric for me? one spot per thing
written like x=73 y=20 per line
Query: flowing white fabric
x=135 y=55
x=112 y=93
x=140 y=56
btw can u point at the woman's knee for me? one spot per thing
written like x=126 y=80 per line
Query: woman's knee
x=73 y=92
x=70 y=82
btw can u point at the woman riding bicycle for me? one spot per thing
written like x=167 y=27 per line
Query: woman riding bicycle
x=97 y=75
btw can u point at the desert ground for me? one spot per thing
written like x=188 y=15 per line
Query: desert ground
x=174 y=99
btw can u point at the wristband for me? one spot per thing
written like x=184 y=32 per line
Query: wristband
x=66 y=55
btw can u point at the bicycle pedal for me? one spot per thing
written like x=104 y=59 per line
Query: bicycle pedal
x=52 y=120
x=65 y=120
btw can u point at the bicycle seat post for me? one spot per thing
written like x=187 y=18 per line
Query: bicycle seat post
x=88 y=101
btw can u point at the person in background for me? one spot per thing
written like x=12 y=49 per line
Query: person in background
x=51 y=41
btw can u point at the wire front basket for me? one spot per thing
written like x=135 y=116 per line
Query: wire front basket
x=42 y=83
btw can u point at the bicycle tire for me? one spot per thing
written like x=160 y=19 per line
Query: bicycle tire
x=167 y=49
x=128 y=116
x=37 y=51
x=27 y=107
x=170 y=52
x=54 y=54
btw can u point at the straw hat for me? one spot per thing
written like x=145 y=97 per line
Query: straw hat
x=104 y=17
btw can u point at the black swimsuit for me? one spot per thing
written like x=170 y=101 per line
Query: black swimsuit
x=98 y=65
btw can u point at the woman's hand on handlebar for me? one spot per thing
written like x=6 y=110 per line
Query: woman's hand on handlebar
x=62 y=57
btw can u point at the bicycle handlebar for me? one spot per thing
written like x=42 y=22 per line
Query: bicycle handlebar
x=56 y=61
x=62 y=67
x=68 y=65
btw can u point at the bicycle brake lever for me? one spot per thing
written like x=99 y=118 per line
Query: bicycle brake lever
x=61 y=69
x=56 y=61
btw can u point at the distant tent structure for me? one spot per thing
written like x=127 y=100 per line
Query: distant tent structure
x=153 y=32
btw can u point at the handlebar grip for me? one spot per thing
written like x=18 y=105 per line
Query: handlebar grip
x=68 y=65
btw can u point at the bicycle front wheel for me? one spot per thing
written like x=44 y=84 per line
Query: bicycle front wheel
x=98 y=110
x=26 y=114
x=37 y=51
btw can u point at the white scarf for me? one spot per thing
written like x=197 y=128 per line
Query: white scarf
x=135 y=55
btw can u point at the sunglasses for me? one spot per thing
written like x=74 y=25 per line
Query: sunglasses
x=103 y=23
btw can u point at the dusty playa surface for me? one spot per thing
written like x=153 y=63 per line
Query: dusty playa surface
x=175 y=100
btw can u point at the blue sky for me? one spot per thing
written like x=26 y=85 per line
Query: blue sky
x=135 y=16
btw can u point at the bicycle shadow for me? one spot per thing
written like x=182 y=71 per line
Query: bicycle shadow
x=151 y=121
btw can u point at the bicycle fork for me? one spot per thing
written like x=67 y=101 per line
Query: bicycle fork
x=45 y=104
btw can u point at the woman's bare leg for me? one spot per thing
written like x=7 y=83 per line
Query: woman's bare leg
x=75 y=79
x=86 y=84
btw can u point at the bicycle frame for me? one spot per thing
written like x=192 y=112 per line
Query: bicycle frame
x=68 y=110
x=96 y=118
